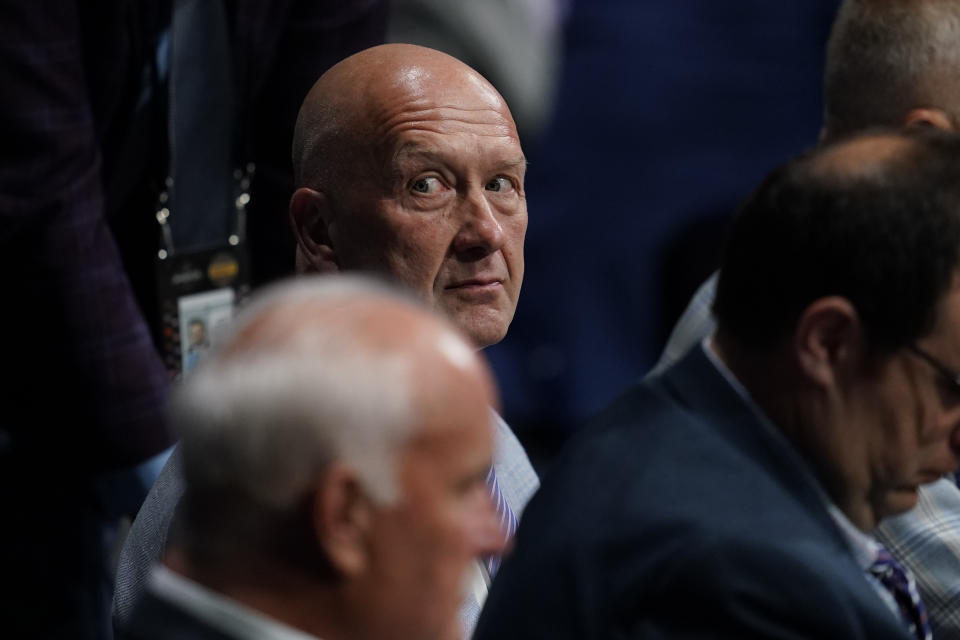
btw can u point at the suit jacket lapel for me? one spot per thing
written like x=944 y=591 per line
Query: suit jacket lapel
x=696 y=384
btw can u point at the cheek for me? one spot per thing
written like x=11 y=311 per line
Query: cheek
x=416 y=254
x=516 y=228
x=885 y=414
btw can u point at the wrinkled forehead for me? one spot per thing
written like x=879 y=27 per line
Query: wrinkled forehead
x=420 y=95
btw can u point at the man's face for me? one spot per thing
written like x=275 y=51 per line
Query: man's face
x=912 y=413
x=197 y=333
x=438 y=203
x=424 y=544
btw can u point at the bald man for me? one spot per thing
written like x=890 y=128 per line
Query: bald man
x=321 y=499
x=408 y=166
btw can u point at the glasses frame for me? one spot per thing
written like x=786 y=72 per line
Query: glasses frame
x=949 y=375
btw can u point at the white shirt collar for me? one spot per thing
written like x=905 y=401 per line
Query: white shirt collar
x=218 y=610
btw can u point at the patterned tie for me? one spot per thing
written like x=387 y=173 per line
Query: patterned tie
x=508 y=521
x=904 y=591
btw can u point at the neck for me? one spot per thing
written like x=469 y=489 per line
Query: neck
x=803 y=413
x=289 y=596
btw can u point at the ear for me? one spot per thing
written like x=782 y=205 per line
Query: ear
x=928 y=118
x=342 y=519
x=828 y=340
x=310 y=218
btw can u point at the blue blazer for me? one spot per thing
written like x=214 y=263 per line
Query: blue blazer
x=678 y=514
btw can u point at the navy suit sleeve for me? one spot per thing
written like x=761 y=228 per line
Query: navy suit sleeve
x=745 y=591
x=677 y=583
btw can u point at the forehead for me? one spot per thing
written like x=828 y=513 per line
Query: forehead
x=454 y=412
x=436 y=113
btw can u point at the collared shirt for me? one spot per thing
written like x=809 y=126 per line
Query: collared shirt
x=862 y=546
x=218 y=610
x=518 y=482
x=927 y=540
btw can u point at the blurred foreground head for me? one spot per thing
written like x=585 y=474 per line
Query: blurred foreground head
x=335 y=451
x=408 y=165
x=838 y=305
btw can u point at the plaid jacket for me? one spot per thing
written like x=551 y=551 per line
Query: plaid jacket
x=79 y=171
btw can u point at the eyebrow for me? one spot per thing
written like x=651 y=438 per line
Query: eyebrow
x=518 y=162
x=413 y=150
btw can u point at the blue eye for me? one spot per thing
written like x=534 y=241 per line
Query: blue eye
x=426 y=185
x=499 y=184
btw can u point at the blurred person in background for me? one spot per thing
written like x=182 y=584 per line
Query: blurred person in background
x=515 y=44
x=87 y=151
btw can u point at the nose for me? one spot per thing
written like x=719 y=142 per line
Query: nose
x=480 y=231
x=955 y=440
x=488 y=537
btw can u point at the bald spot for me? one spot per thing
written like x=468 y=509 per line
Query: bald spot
x=861 y=157
x=359 y=103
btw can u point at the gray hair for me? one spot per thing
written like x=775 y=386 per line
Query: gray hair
x=262 y=420
x=885 y=58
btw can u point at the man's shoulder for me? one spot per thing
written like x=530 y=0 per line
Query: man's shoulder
x=155 y=618
x=671 y=478
x=651 y=504
x=146 y=541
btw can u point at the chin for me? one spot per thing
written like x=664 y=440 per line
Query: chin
x=899 y=500
x=482 y=332
x=484 y=323
x=483 y=340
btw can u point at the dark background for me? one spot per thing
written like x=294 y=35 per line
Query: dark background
x=668 y=113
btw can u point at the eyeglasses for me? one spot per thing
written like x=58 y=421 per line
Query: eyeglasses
x=950 y=376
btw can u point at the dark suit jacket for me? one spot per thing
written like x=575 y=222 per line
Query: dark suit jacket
x=155 y=618
x=678 y=514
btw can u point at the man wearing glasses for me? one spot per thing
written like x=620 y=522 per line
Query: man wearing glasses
x=884 y=62
x=743 y=482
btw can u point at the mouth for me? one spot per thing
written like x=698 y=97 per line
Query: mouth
x=476 y=284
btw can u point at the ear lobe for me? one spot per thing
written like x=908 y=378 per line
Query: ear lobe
x=310 y=219
x=828 y=339
x=342 y=519
x=928 y=118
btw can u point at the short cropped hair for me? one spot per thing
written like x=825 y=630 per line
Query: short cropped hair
x=886 y=238
x=885 y=58
x=259 y=425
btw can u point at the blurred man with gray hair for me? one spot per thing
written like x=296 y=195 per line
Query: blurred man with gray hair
x=335 y=452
